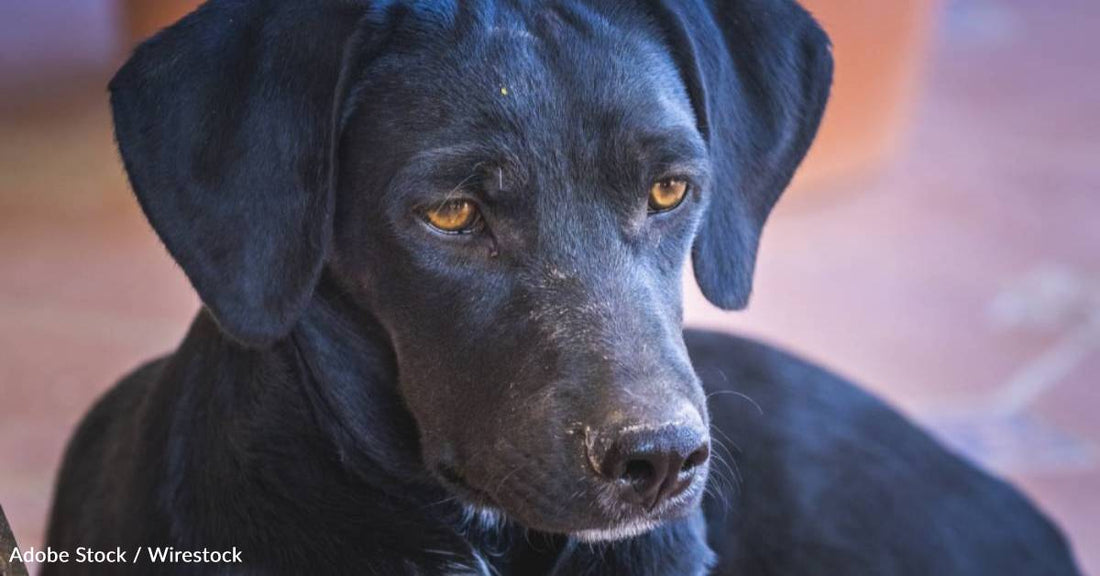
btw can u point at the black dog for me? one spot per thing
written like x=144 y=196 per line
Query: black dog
x=440 y=246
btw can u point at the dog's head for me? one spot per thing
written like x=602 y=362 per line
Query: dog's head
x=510 y=189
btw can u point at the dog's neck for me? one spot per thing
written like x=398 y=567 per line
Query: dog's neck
x=307 y=436
x=346 y=364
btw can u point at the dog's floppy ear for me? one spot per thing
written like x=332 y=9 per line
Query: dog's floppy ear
x=758 y=73
x=225 y=122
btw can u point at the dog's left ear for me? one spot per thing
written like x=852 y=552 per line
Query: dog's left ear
x=226 y=124
x=758 y=73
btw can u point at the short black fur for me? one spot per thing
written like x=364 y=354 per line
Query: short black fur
x=362 y=393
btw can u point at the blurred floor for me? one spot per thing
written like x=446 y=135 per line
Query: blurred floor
x=963 y=283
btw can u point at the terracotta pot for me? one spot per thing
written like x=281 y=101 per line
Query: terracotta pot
x=879 y=49
x=143 y=18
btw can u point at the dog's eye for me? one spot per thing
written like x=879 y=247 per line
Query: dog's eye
x=667 y=194
x=454 y=217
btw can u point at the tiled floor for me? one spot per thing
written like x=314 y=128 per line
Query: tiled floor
x=963 y=283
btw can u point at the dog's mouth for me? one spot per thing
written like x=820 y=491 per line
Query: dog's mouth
x=456 y=483
x=592 y=515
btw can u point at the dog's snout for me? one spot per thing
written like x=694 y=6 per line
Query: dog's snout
x=651 y=465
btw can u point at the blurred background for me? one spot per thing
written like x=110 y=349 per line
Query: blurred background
x=941 y=246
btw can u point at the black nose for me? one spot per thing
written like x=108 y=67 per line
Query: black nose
x=654 y=464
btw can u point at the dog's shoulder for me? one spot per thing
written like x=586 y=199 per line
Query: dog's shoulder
x=819 y=476
x=97 y=452
x=114 y=411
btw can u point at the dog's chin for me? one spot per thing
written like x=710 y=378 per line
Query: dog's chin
x=490 y=519
x=622 y=532
x=487 y=519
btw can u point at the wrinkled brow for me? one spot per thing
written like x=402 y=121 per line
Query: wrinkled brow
x=473 y=168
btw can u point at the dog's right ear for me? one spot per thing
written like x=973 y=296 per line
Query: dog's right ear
x=758 y=73
x=226 y=123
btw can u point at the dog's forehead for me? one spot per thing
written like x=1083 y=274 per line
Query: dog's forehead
x=579 y=61
x=548 y=20
x=536 y=68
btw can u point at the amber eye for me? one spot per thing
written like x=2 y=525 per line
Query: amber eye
x=667 y=194
x=454 y=216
